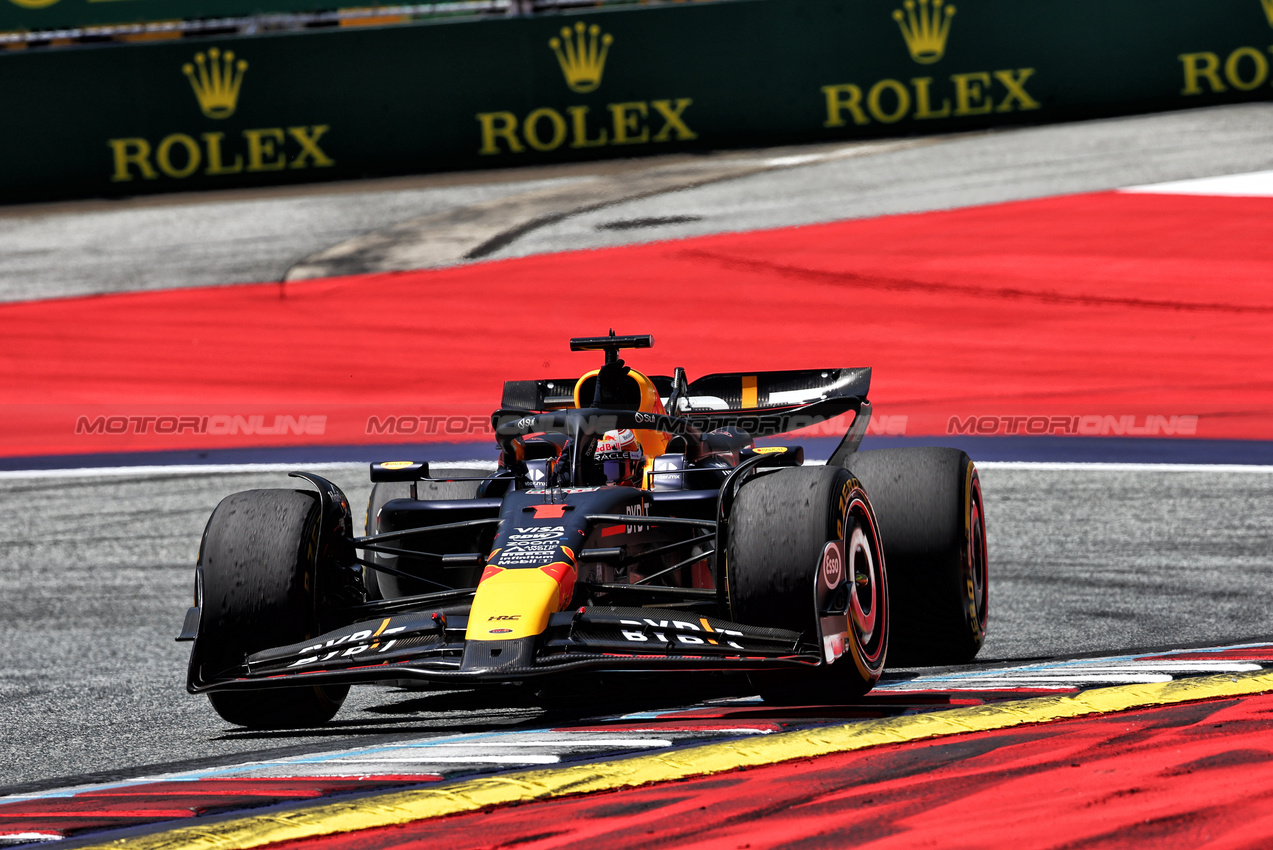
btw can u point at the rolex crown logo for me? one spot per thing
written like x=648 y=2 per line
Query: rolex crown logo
x=925 y=29
x=216 y=80
x=582 y=54
x=1268 y=10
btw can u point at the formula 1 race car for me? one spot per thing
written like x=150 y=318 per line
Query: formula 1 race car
x=632 y=524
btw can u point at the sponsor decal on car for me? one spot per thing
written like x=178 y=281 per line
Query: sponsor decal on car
x=658 y=630
x=532 y=545
x=831 y=574
x=349 y=645
x=832 y=564
x=630 y=510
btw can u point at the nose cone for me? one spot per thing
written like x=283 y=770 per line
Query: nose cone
x=516 y=603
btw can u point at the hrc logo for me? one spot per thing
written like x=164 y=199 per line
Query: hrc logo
x=582 y=55
x=216 y=87
x=926 y=31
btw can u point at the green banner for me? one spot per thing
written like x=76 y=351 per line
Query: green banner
x=425 y=97
x=35 y=15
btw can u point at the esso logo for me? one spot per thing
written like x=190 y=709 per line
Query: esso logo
x=499 y=631
x=832 y=565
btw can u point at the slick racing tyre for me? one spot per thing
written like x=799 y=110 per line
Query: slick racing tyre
x=779 y=531
x=258 y=561
x=929 y=506
x=383 y=585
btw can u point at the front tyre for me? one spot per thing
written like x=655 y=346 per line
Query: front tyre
x=258 y=562
x=804 y=554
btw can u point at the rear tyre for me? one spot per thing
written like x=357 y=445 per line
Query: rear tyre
x=929 y=505
x=384 y=585
x=779 y=532
x=258 y=562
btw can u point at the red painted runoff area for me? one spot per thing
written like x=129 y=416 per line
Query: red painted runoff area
x=148 y=802
x=1099 y=314
x=1170 y=777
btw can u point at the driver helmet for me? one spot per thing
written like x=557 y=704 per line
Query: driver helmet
x=620 y=457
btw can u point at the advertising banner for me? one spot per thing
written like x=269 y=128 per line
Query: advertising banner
x=257 y=110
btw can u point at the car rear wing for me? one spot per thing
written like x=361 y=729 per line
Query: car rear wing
x=741 y=392
x=760 y=392
x=764 y=404
x=543 y=395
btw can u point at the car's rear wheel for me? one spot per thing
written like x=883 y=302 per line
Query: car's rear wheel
x=803 y=545
x=932 y=518
x=258 y=563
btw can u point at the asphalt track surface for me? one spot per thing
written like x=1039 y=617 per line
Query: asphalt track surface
x=156 y=243
x=96 y=571
x=1006 y=165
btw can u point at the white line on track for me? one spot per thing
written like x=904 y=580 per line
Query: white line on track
x=1177 y=667
x=1252 y=185
x=568 y=742
x=232 y=468
x=1089 y=679
x=841 y=153
x=217 y=469
x=430 y=759
x=1123 y=467
x=229 y=468
x=1006 y=683
x=445 y=754
x=1131 y=669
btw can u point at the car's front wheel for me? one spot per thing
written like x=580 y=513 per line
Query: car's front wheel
x=803 y=548
x=258 y=563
